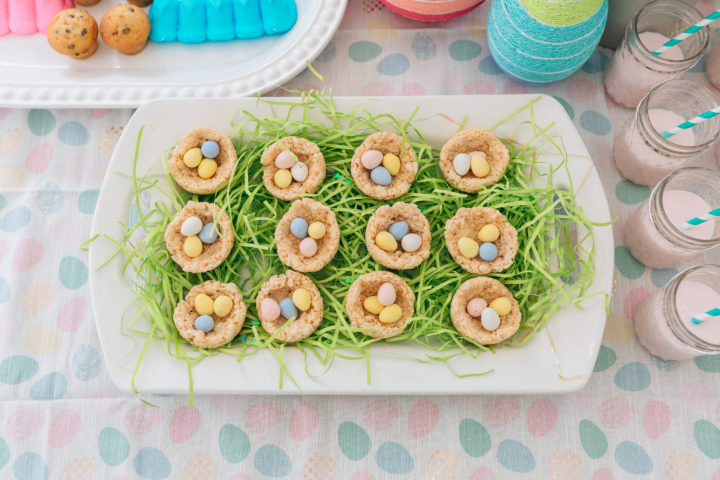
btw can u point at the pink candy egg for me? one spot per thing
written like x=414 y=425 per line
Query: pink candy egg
x=386 y=294
x=284 y=160
x=269 y=309
x=371 y=159
x=477 y=153
x=308 y=247
x=476 y=306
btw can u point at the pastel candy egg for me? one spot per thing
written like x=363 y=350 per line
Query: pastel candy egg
x=316 y=230
x=476 y=306
x=380 y=175
x=489 y=233
x=210 y=149
x=386 y=241
x=269 y=309
x=398 y=230
x=192 y=158
x=208 y=234
x=411 y=242
x=386 y=294
x=299 y=172
x=283 y=178
x=488 y=251
x=490 y=319
x=461 y=163
x=391 y=314
x=191 y=226
x=479 y=164
x=287 y=308
x=308 y=247
x=302 y=299
x=468 y=247
x=192 y=246
x=284 y=160
x=391 y=162
x=501 y=305
x=204 y=323
x=372 y=305
x=207 y=168
x=204 y=305
x=223 y=305
x=299 y=227
x=371 y=159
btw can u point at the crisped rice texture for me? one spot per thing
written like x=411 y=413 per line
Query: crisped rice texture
x=471 y=327
x=306 y=152
x=288 y=245
x=282 y=286
x=367 y=286
x=467 y=222
x=385 y=142
x=212 y=255
x=382 y=219
x=188 y=178
x=225 y=328
x=474 y=140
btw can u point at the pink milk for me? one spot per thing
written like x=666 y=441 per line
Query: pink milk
x=4 y=25
x=22 y=16
x=45 y=11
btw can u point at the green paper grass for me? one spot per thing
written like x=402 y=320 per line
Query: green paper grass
x=551 y=269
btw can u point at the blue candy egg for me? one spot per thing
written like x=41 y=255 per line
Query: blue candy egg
x=204 y=323
x=299 y=227
x=208 y=234
x=488 y=251
x=380 y=175
x=398 y=230
x=210 y=149
x=287 y=308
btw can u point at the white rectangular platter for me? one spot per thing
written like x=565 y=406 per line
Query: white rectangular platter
x=559 y=358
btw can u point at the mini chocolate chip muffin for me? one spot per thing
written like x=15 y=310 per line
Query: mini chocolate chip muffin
x=140 y=3
x=384 y=166
x=293 y=167
x=125 y=28
x=73 y=32
x=198 y=170
x=380 y=303
x=307 y=236
x=398 y=236
x=87 y=3
x=466 y=173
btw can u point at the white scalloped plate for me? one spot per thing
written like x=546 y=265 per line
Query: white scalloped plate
x=33 y=75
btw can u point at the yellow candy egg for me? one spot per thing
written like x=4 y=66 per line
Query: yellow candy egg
x=489 y=233
x=391 y=162
x=386 y=241
x=223 y=305
x=207 y=168
x=479 y=166
x=501 y=305
x=192 y=157
x=316 y=230
x=468 y=247
x=373 y=305
x=283 y=178
x=204 y=305
x=192 y=246
x=391 y=314
x=301 y=298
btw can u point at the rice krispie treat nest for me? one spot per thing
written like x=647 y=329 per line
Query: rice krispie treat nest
x=470 y=327
x=474 y=140
x=212 y=254
x=288 y=245
x=189 y=178
x=282 y=286
x=224 y=329
x=382 y=219
x=367 y=285
x=466 y=223
x=385 y=142
x=306 y=152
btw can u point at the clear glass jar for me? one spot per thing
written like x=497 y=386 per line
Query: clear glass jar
x=634 y=69
x=663 y=322
x=642 y=154
x=712 y=66
x=653 y=232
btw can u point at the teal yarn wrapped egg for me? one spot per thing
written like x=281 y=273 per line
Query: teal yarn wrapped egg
x=543 y=41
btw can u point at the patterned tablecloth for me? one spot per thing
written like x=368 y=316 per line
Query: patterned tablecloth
x=61 y=417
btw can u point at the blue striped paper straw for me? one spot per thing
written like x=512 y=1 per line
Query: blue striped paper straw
x=698 y=319
x=690 y=31
x=691 y=123
x=701 y=219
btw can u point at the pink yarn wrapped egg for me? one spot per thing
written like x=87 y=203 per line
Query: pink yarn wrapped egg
x=431 y=10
